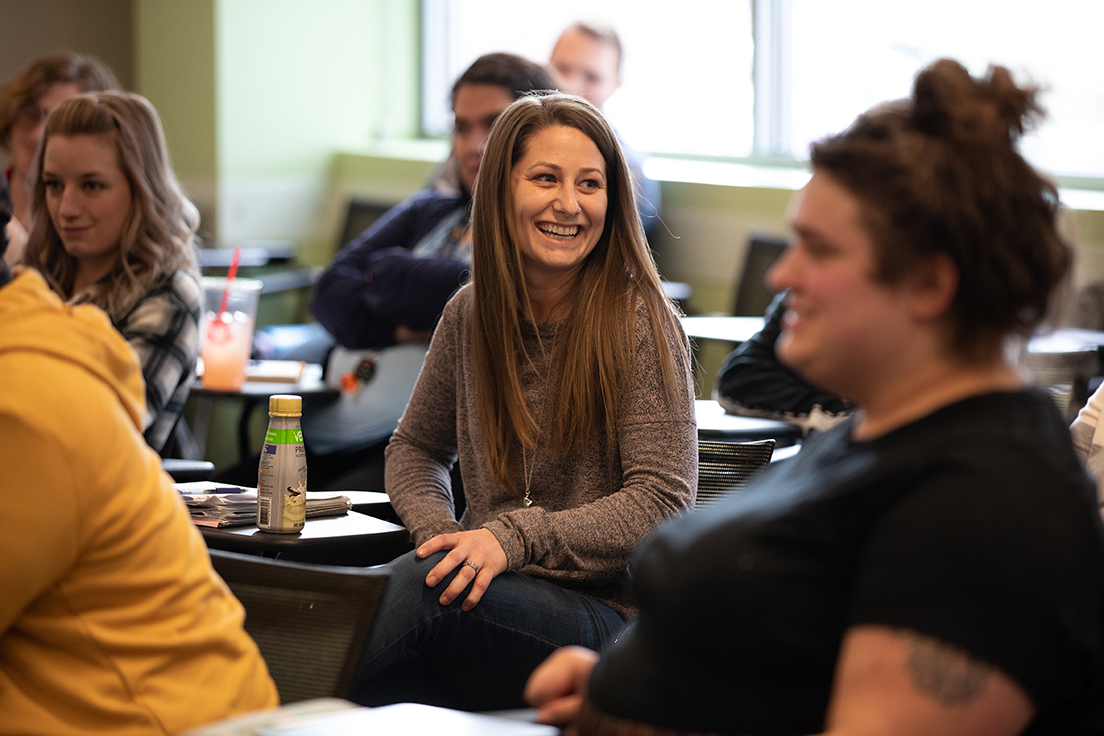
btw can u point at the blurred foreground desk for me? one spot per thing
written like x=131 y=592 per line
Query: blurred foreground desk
x=353 y=539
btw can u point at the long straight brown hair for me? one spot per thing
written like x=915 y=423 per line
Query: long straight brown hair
x=597 y=342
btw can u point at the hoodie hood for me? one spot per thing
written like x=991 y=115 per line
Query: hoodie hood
x=34 y=319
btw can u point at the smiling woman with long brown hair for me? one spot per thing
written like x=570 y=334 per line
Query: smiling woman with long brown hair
x=560 y=378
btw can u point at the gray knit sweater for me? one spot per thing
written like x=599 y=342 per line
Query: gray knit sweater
x=589 y=510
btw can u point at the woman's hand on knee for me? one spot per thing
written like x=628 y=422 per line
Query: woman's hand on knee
x=478 y=555
x=557 y=687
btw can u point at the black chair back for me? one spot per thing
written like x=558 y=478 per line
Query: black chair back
x=724 y=467
x=753 y=296
x=360 y=216
x=311 y=622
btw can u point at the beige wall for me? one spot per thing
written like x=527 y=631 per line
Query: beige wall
x=102 y=28
x=34 y=28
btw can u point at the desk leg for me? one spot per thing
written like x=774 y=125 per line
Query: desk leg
x=245 y=453
x=202 y=423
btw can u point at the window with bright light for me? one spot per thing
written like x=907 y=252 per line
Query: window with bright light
x=758 y=80
x=693 y=55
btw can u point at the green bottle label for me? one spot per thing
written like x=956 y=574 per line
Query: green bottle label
x=283 y=436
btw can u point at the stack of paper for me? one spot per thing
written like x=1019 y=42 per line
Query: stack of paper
x=218 y=505
x=275 y=371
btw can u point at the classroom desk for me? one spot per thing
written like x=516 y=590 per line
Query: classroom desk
x=1065 y=340
x=715 y=424
x=370 y=503
x=1062 y=360
x=722 y=327
x=252 y=394
x=353 y=539
x=329 y=718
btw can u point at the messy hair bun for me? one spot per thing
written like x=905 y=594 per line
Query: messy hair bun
x=939 y=173
x=949 y=103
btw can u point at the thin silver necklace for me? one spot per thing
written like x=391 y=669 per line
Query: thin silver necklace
x=528 y=476
x=527 y=470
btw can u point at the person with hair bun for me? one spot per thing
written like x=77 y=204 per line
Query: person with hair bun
x=25 y=101
x=112 y=228
x=560 y=378
x=933 y=565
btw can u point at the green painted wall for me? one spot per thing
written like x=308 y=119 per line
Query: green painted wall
x=298 y=80
x=174 y=43
x=257 y=95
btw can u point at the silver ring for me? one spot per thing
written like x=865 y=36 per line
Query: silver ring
x=472 y=565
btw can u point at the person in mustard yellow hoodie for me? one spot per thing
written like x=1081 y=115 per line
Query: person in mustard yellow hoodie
x=111 y=617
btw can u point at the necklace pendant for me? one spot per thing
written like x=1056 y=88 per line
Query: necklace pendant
x=527 y=501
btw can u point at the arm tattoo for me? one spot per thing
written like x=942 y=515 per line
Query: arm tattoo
x=946 y=674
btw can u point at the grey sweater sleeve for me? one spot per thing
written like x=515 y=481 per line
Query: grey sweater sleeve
x=424 y=446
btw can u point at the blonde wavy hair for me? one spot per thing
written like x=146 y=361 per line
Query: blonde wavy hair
x=159 y=236
x=593 y=364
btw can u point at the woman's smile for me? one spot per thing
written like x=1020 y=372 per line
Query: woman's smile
x=559 y=200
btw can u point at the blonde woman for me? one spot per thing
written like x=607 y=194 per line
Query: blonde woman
x=560 y=378
x=112 y=228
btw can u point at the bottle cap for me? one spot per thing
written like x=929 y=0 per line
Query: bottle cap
x=285 y=405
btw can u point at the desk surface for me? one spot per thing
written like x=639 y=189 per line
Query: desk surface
x=353 y=539
x=728 y=329
x=715 y=424
x=738 y=329
x=310 y=383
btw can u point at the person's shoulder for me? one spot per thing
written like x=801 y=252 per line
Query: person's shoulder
x=1013 y=444
x=666 y=316
x=176 y=297
x=186 y=288
x=1027 y=416
x=460 y=305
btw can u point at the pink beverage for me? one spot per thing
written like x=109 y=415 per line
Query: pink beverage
x=226 y=346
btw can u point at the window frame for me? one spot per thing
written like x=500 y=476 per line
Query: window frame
x=771 y=80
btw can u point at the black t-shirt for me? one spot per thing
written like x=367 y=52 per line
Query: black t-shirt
x=975 y=525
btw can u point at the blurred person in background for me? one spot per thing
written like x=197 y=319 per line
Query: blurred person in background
x=25 y=101
x=587 y=61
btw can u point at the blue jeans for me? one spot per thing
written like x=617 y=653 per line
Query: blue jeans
x=423 y=652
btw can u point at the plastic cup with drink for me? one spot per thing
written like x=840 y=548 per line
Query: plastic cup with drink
x=226 y=330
